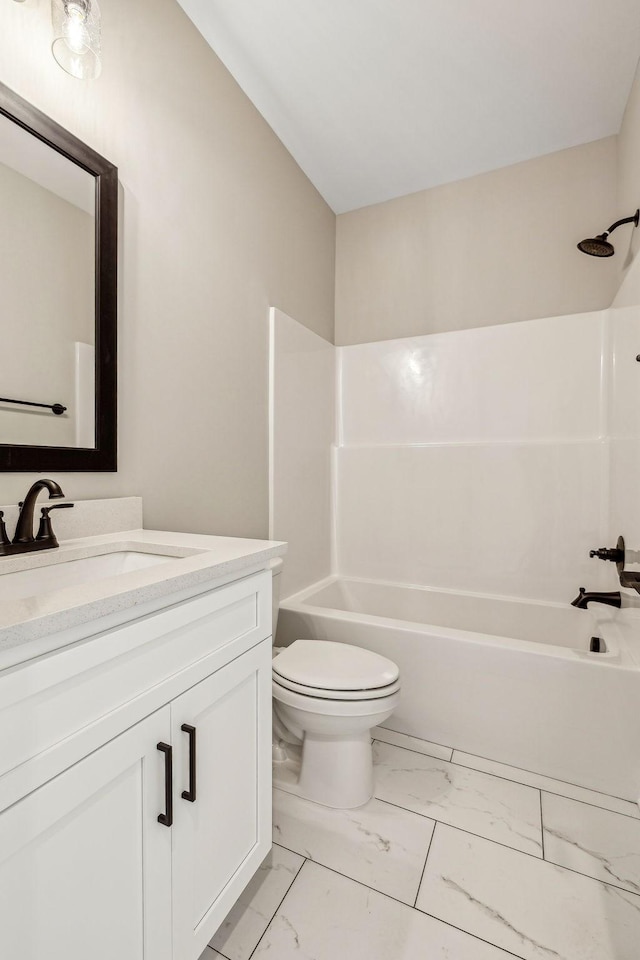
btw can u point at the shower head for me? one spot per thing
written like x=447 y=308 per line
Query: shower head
x=599 y=246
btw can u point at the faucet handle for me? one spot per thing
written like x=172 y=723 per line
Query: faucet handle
x=615 y=554
x=45 y=530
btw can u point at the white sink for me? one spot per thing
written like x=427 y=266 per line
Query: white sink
x=59 y=573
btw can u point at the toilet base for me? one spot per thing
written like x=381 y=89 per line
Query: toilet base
x=335 y=772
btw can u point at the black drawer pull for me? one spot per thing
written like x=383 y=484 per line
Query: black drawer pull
x=166 y=818
x=190 y=794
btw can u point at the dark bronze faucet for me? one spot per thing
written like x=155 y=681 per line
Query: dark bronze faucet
x=582 y=601
x=24 y=540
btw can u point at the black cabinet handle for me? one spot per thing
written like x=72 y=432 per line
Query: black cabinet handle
x=166 y=818
x=190 y=794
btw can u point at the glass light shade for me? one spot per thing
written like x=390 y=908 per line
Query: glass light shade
x=77 y=37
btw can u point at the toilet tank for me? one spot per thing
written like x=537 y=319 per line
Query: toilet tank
x=276 y=569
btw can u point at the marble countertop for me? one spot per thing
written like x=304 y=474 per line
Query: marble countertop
x=29 y=625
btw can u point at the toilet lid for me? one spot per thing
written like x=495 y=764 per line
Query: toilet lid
x=326 y=665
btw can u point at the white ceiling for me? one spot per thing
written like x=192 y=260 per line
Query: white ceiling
x=379 y=98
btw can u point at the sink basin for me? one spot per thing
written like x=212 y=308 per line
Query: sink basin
x=62 y=573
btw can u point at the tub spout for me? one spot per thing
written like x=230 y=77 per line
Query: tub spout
x=582 y=601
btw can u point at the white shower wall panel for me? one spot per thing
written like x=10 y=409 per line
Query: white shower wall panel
x=624 y=428
x=509 y=519
x=624 y=413
x=625 y=492
x=534 y=380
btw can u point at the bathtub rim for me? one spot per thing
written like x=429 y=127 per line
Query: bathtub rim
x=615 y=631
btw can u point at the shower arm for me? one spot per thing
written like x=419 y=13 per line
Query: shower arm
x=619 y=223
x=618 y=556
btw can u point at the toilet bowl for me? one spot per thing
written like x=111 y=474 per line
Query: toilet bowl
x=326 y=698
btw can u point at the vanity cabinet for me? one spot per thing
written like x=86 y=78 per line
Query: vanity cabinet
x=86 y=868
x=139 y=847
x=221 y=837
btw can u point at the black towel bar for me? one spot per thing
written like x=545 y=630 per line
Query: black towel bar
x=56 y=408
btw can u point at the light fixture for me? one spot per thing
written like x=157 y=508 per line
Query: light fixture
x=77 y=37
x=599 y=246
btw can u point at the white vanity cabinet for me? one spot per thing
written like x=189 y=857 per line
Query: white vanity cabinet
x=85 y=870
x=220 y=837
x=135 y=794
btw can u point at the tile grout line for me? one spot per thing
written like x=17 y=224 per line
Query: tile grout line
x=594 y=806
x=551 y=863
x=433 y=833
x=542 y=827
x=518 y=956
x=426 y=912
x=479 y=756
x=455 y=827
x=286 y=894
x=498 y=843
x=213 y=950
x=443 y=746
x=361 y=883
x=402 y=904
x=498 y=776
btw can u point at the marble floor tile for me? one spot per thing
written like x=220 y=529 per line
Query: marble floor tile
x=247 y=921
x=626 y=807
x=412 y=743
x=534 y=909
x=211 y=954
x=378 y=844
x=596 y=842
x=328 y=917
x=497 y=809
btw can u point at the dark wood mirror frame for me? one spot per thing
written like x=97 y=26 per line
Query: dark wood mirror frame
x=103 y=456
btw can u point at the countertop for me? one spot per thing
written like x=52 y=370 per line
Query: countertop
x=30 y=626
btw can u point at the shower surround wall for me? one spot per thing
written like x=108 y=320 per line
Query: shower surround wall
x=476 y=460
x=624 y=425
x=488 y=460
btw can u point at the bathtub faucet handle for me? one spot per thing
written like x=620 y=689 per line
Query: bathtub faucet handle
x=615 y=554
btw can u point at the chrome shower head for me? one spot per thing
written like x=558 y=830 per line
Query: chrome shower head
x=599 y=246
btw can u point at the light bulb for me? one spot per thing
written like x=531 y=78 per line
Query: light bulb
x=76 y=33
x=77 y=37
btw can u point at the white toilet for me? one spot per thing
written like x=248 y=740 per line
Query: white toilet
x=326 y=698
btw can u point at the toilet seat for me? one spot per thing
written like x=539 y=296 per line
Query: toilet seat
x=324 y=694
x=329 y=708
x=334 y=670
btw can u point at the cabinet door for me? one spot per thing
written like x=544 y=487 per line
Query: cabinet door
x=221 y=837
x=85 y=866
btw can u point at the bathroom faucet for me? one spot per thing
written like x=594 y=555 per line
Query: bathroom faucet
x=24 y=541
x=582 y=601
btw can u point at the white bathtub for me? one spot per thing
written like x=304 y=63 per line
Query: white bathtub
x=509 y=680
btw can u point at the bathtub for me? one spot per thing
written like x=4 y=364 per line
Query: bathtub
x=509 y=680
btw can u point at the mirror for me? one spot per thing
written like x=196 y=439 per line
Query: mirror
x=58 y=275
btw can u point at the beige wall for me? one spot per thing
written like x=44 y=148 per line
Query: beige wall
x=495 y=248
x=218 y=224
x=627 y=240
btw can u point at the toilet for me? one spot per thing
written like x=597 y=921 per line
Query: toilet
x=327 y=696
